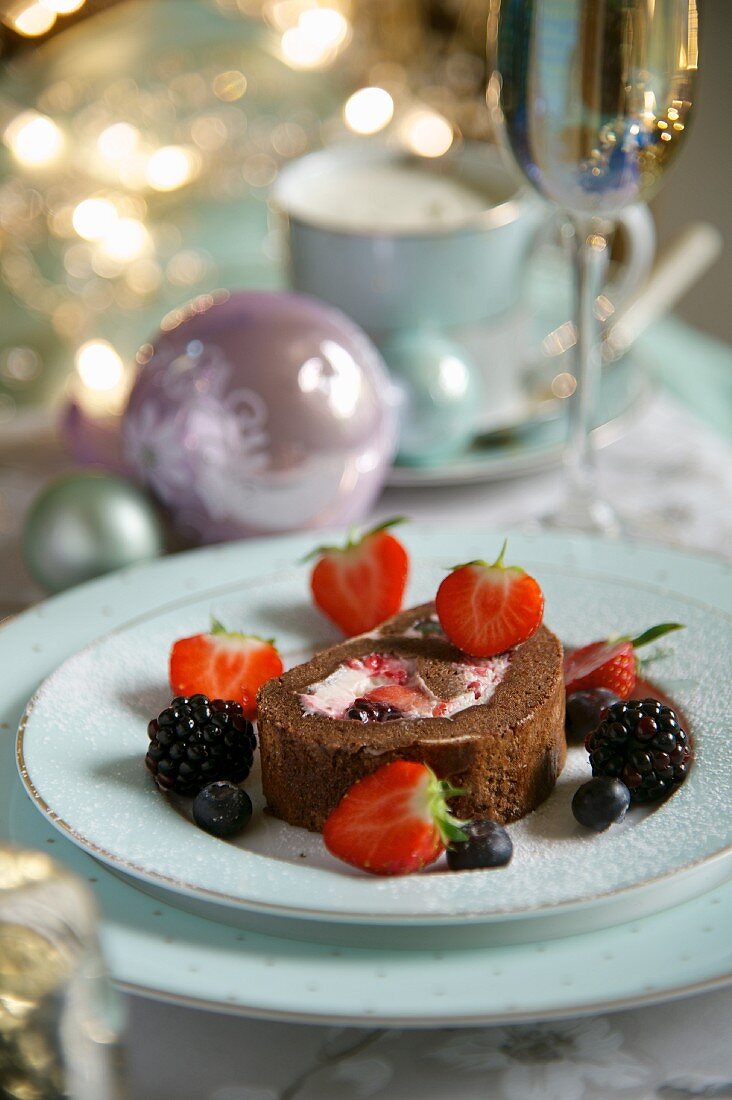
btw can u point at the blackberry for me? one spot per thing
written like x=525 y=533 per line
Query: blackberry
x=371 y=710
x=642 y=743
x=195 y=741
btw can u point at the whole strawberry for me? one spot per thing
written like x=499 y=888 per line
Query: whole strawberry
x=361 y=584
x=394 y=821
x=224 y=665
x=610 y=664
x=486 y=609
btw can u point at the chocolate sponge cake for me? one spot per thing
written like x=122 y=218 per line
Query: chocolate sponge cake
x=495 y=727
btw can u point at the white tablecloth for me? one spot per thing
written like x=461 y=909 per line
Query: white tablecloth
x=676 y=475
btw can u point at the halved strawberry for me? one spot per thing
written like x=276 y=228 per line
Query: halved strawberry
x=399 y=696
x=224 y=665
x=486 y=609
x=611 y=663
x=361 y=584
x=394 y=821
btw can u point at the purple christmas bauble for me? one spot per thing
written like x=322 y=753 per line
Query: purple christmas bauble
x=258 y=413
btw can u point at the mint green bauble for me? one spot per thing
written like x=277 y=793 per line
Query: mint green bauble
x=85 y=524
x=442 y=393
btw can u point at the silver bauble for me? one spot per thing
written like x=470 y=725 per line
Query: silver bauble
x=85 y=524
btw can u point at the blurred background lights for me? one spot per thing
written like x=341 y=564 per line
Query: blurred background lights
x=94 y=219
x=300 y=52
x=102 y=382
x=427 y=133
x=118 y=141
x=170 y=167
x=314 y=42
x=564 y=385
x=126 y=239
x=33 y=138
x=324 y=25
x=368 y=110
x=191 y=127
x=99 y=366
x=63 y=7
x=229 y=86
x=32 y=20
x=283 y=14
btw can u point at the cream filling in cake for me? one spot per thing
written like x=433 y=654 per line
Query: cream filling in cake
x=395 y=681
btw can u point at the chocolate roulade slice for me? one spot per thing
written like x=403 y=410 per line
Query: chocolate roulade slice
x=495 y=727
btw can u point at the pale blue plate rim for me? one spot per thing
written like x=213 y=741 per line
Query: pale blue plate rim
x=294 y=893
x=156 y=950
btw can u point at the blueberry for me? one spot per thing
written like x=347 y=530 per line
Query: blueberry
x=585 y=711
x=488 y=845
x=601 y=802
x=222 y=808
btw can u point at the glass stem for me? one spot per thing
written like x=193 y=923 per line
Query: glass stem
x=591 y=247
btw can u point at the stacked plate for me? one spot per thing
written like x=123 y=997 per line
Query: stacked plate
x=270 y=924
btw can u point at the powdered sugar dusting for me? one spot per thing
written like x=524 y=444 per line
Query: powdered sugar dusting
x=86 y=738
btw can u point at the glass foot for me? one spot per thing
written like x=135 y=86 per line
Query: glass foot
x=583 y=512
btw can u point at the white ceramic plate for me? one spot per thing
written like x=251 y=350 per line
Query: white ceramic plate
x=156 y=949
x=84 y=737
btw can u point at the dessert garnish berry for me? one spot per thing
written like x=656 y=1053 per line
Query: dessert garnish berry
x=224 y=665
x=394 y=821
x=197 y=740
x=399 y=697
x=486 y=609
x=642 y=743
x=371 y=710
x=361 y=584
x=611 y=663
x=487 y=844
x=585 y=711
x=222 y=808
x=601 y=802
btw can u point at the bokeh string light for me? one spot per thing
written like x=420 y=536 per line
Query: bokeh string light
x=140 y=178
x=35 y=18
x=33 y=139
x=368 y=110
x=32 y=20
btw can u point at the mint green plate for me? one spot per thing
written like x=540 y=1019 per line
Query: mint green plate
x=155 y=947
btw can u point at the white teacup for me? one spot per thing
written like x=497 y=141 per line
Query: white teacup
x=404 y=244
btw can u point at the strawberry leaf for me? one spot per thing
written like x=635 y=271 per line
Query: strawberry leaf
x=352 y=539
x=318 y=553
x=449 y=826
x=448 y=791
x=655 y=632
x=465 y=564
x=497 y=564
x=452 y=833
x=219 y=630
x=395 y=521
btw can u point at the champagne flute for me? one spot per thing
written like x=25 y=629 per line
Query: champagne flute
x=60 y=1020
x=591 y=98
